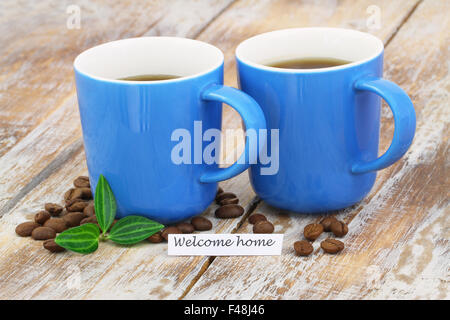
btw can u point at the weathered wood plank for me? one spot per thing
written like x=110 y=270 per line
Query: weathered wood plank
x=143 y=271
x=397 y=246
x=245 y=19
x=38 y=49
x=37 y=97
x=115 y=268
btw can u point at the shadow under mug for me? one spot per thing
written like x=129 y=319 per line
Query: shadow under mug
x=328 y=119
x=128 y=126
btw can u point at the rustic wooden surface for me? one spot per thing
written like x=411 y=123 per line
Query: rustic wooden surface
x=397 y=246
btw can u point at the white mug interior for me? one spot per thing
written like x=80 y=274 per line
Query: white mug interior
x=149 y=55
x=282 y=45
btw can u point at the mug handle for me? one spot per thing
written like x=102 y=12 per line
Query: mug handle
x=253 y=118
x=404 y=117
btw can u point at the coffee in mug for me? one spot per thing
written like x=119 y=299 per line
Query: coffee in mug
x=308 y=63
x=149 y=77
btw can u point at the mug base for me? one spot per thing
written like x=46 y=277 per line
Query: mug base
x=318 y=208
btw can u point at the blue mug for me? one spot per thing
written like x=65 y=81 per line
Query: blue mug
x=328 y=119
x=128 y=126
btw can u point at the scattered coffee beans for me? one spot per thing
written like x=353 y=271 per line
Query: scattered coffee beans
x=201 y=223
x=69 y=193
x=57 y=224
x=263 y=226
x=77 y=206
x=82 y=182
x=86 y=193
x=92 y=219
x=185 y=227
x=229 y=201
x=25 y=229
x=313 y=231
x=219 y=191
x=156 y=238
x=229 y=211
x=339 y=228
x=169 y=230
x=332 y=246
x=303 y=248
x=254 y=218
x=326 y=223
x=41 y=217
x=77 y=193
x=89 y=210
x=53 y=208
x=43 y=233
x=51 y=246
x=73 y=219
x=225 y=195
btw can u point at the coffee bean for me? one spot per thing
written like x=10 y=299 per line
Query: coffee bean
x=224 y=202
x=51 y=246
x=89 y=210
x=77 y=206
x=41 y=217
x=169 y=230
x=201 y=223
x=332 y=245
x=73 y=219
x=185 y=227
x=92 y=219
x=229 y=211
x=57 y=224
x=326 y=223
x=77 y=193
x=225 y=195
x=263 y=226
x=313 y=231
x=256 y=217
x=53 y=208
x=303 y=248
x=86 y=193
x=156 y=238
x=219 y=190
x=68 y=194
x=82 y=182
x=43 y=233
x=339 y=228
x=25 y=229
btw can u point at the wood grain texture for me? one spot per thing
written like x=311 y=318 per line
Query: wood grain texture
x=244 y=19
x=38 y=49
x=38 y=110
x=143 y=271
x=398 y=243
x=38 y=167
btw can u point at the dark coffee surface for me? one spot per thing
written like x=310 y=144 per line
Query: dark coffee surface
x=308 y=63
x=149 y=77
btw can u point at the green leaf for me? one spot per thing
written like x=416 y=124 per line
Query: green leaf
x=105 y=204
x=133 y=229
x=82 y=239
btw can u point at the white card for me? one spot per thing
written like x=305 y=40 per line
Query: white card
x=235 y=244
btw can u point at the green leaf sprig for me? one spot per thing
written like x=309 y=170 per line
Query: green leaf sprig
x=129 y=230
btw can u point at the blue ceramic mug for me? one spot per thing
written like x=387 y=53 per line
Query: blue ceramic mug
x=328 y=119
x=128 y=126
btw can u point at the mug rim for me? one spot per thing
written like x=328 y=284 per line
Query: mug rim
x=79 y=69
x=239 y=55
